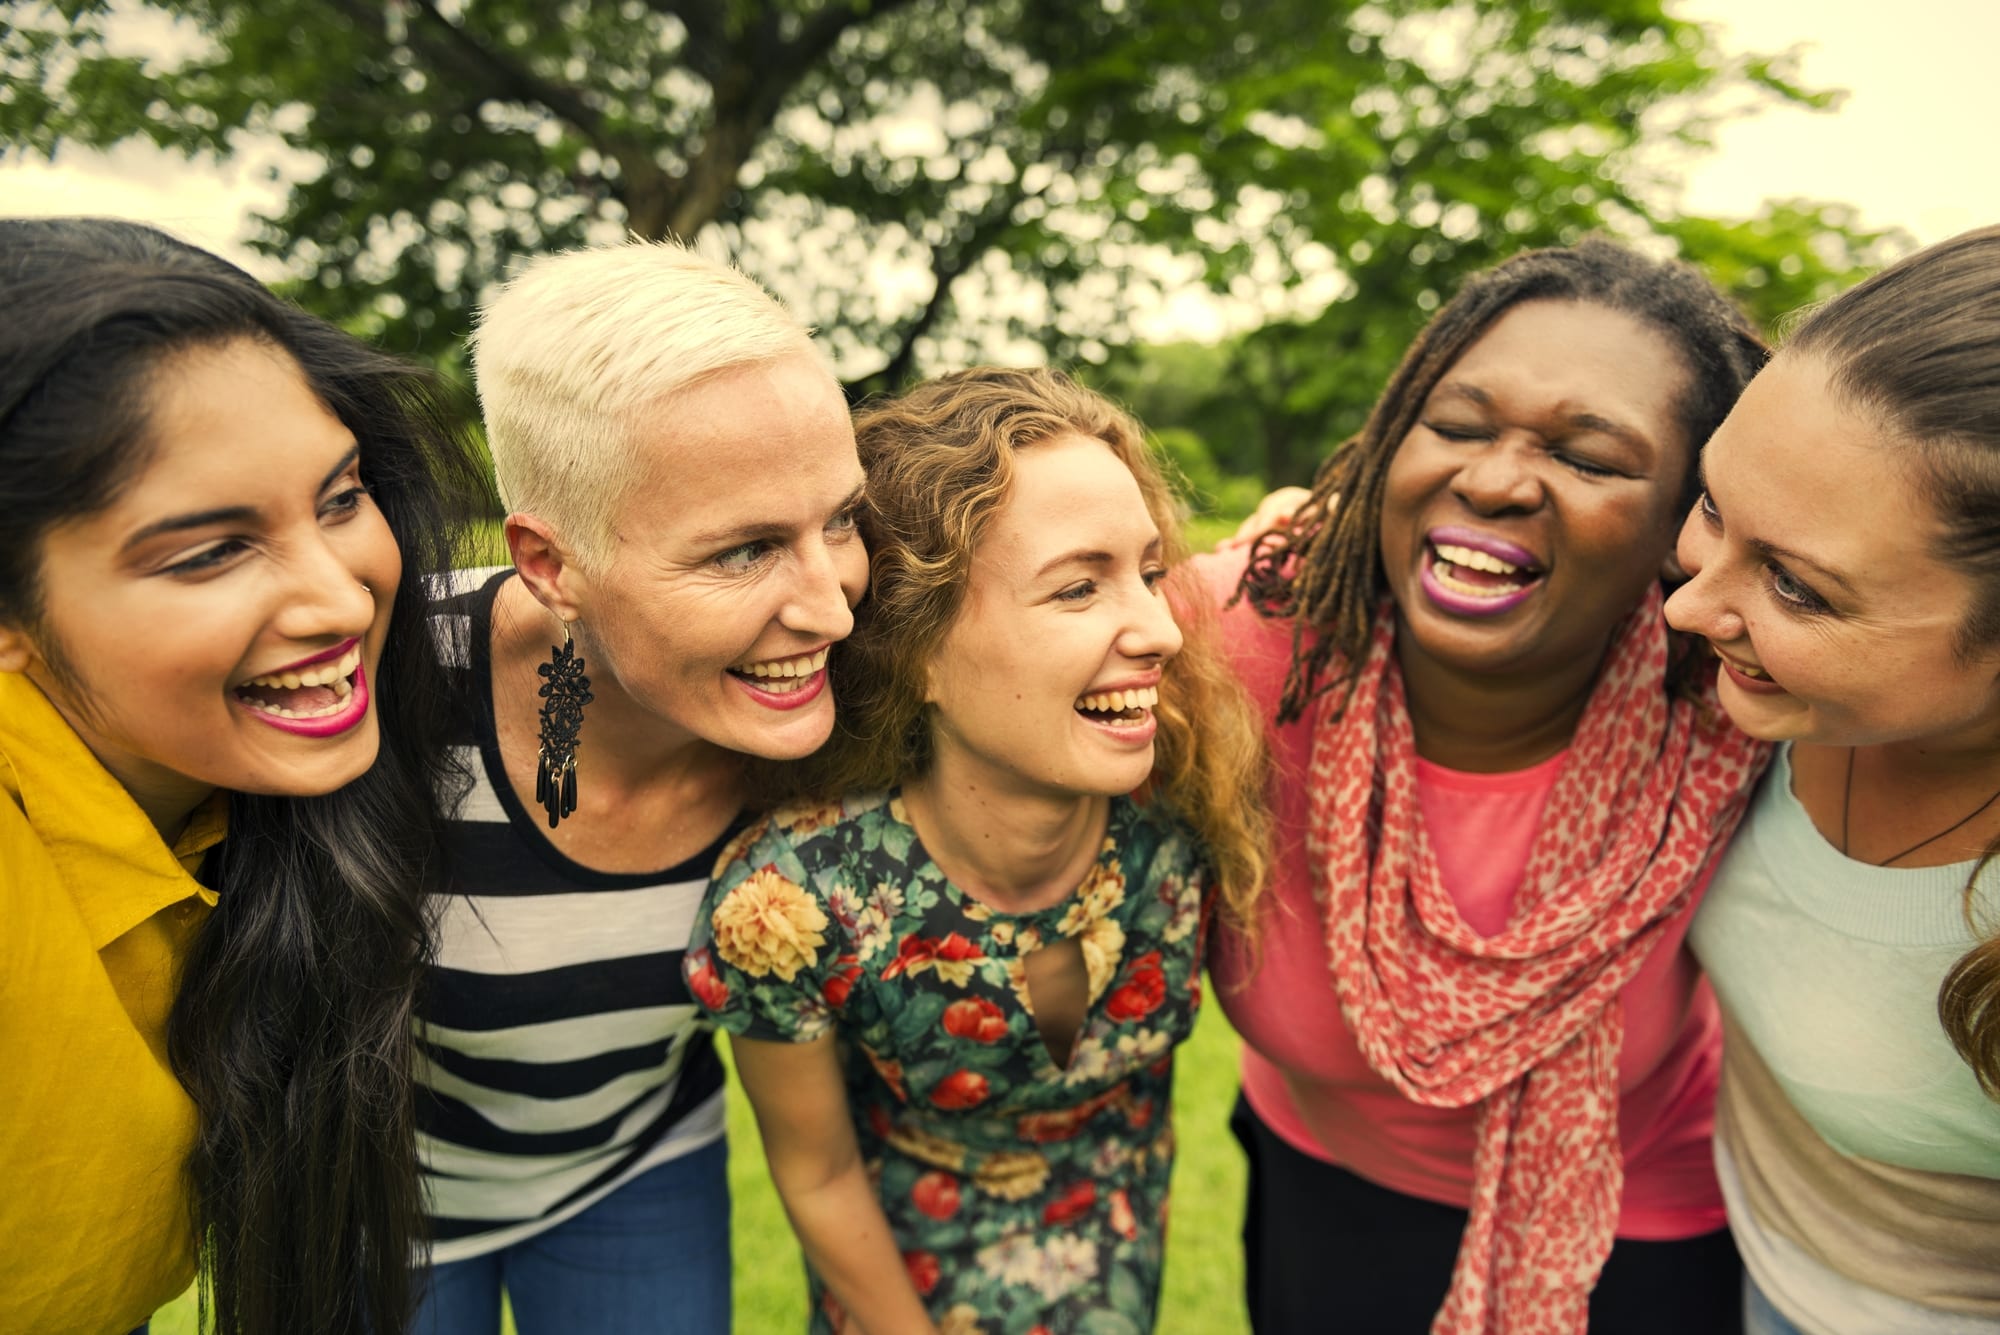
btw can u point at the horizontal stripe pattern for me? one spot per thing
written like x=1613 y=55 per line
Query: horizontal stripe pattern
x=560 y=1054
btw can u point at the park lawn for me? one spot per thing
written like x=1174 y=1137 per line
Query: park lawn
x=1204 y=1279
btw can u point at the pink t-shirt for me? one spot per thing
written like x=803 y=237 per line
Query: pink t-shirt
x=1304 y=1074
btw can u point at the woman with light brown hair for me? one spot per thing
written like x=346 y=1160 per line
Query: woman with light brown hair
x=955 y=991
x=1845 y=566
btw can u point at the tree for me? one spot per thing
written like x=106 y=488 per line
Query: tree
x=932 y=181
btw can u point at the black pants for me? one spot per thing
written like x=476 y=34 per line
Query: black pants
x=1327 y=1252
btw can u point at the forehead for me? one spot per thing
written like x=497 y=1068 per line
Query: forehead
x=1580 y=358
x=228 y=421
x=1068 y=493
x=762 y=443
x=1798 y=466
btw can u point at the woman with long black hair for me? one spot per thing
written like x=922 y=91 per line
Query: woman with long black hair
x=218 y=713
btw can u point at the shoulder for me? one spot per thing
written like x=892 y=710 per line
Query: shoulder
x=1258 y=648
x=807 y=840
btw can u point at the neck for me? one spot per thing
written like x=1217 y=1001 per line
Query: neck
x=624 y=746
x=1492 y=723
x=1018 y=850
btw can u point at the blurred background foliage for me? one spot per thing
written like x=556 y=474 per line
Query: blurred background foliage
x=939 y=182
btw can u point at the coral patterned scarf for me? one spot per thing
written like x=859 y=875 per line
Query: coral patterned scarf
x=1522 y=1022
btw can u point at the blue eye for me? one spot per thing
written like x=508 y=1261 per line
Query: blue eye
x=738 y=560
x=1796 y=595
x=1076 y=593
x=1154 y=578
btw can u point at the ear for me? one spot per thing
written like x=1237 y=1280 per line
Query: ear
x=16 y=651
x=545 y=565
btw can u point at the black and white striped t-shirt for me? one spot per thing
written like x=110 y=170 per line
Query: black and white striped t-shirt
x=560 y=1053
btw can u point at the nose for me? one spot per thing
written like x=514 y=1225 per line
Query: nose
x=1152 y=631
x=324 y=597
x=1704 y=605
x=1500 y=477
x=831 y=579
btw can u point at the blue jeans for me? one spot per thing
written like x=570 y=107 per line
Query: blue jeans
x=652 y=1258
x=1759 y=1317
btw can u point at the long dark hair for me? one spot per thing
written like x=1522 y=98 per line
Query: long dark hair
x=290 y=1028
x=1329 y=578
x=1917 y=349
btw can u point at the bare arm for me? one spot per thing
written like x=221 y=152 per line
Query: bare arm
x=801 y=1105
x=1279 y=509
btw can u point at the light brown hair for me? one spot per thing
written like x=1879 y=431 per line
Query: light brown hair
x=940 y=463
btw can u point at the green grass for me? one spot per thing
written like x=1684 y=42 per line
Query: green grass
x=1204 y=1278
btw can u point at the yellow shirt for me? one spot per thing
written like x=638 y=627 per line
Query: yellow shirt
x=96 y=915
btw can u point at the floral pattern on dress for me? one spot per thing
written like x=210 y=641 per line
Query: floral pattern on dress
x=1028 y=1198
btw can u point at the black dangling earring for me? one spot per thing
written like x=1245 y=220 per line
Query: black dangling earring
x=565 y=691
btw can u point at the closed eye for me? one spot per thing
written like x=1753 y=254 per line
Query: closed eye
x=209 y=558
x=1585 y=467
x=1452 y=431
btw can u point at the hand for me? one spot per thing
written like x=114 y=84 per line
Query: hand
x=1280 y=510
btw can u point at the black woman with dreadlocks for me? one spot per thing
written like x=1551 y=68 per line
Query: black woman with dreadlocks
x=1479 y=1068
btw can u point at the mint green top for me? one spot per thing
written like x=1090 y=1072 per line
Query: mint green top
x=1831 y=967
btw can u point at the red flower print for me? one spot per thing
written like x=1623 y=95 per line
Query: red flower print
x=936 y=1194
x=1062 y=1123
x=704 y=982
x=1144 y=988
x=1140 y=1114
x=952 y=957
x=1123 y=1222
x=975 y=1018
x=847 y=969
x=924 y=1271
x=961 y=1089
x=1072 y=1205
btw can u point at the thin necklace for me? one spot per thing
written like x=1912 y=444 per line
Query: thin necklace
x=1847 y=805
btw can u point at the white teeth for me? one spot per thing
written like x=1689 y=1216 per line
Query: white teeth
x=1474 y=590
x=1111 y=702
x=324 y=674
x=1473 y=559
x=805 y=665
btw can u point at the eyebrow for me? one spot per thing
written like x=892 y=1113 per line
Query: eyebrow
x=227 y=514
x=1090 y=557
x=1586 y=421
x=1771 y=550
x=765 y=531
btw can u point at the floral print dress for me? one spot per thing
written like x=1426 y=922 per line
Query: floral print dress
x=1028 y=1198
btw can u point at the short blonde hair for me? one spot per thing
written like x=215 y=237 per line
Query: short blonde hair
x=579 y=348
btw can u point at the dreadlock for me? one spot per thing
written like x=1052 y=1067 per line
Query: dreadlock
x=1327 y=575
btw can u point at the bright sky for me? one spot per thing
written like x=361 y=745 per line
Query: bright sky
x=1911 y=146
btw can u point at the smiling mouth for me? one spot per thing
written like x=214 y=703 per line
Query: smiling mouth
x=320 y=691
x=782 y=676
x=1476 y=574
x=1118 y=706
